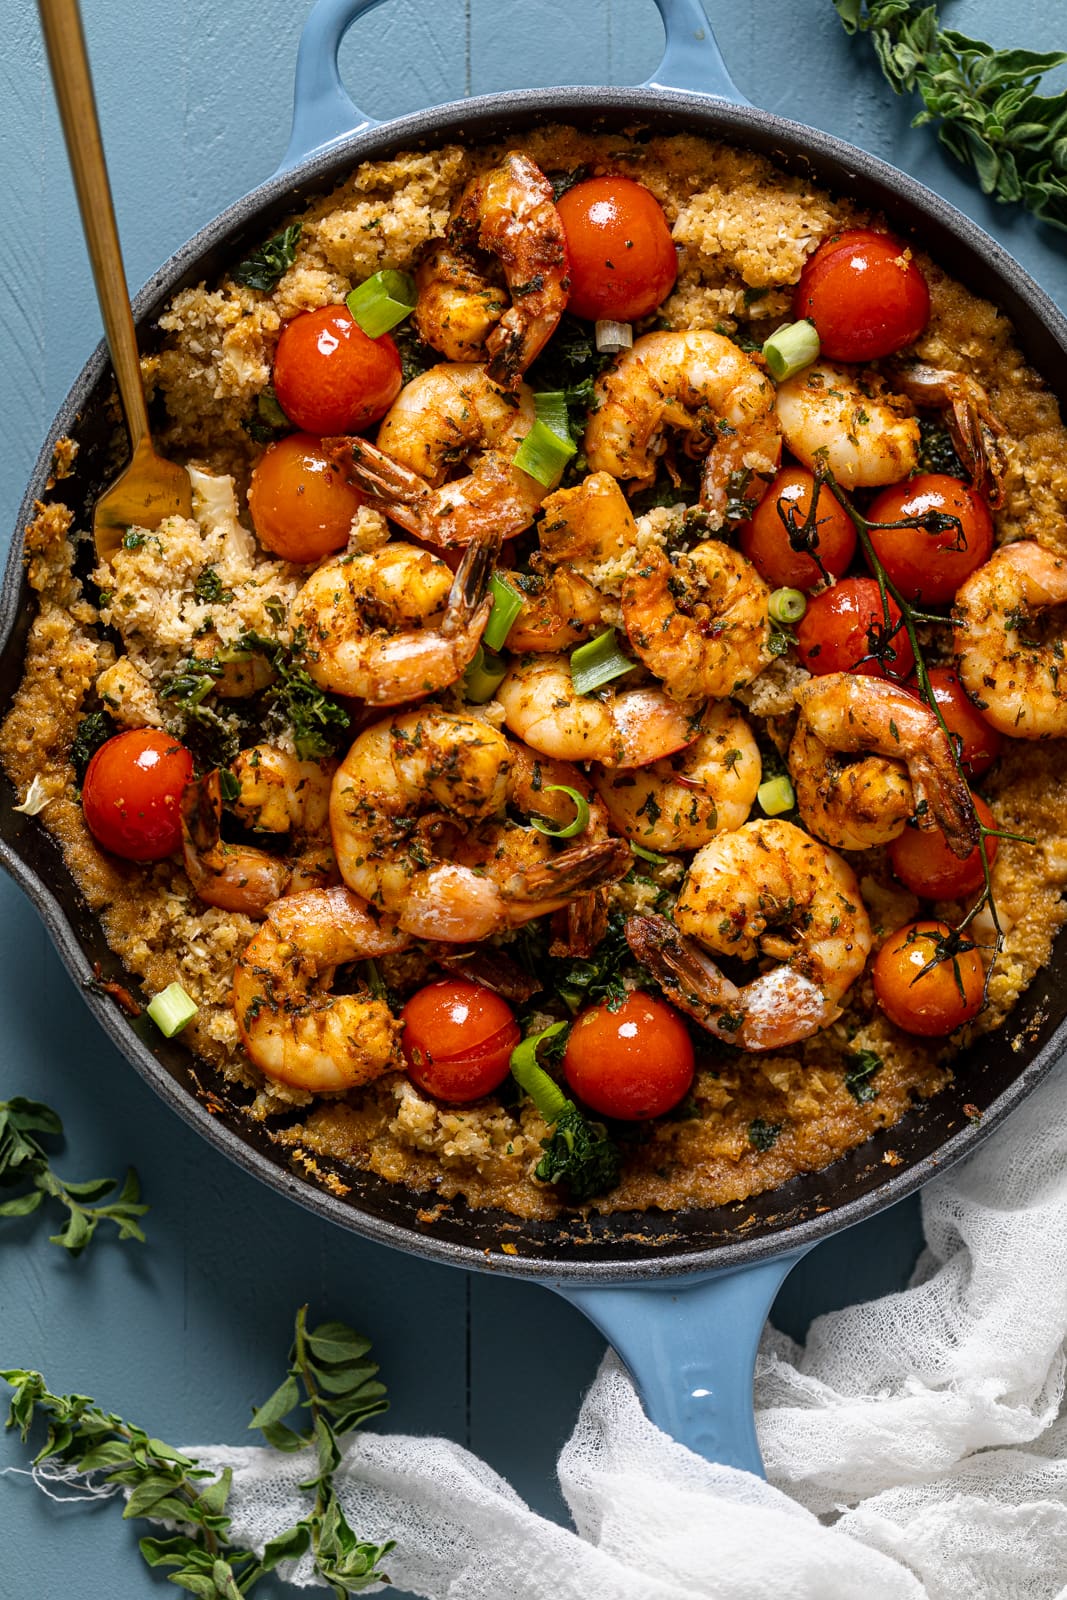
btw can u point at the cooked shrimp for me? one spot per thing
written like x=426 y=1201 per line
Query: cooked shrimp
x=295 y=1030
x=508 y=213
x=274 y=787
x=766 y=890
x=1014 y=676
x=870 y=802
x=447 y=415
x=699 y=620
x=405 y=812
x=975 y=429
x=559 y=610
x=682 y=802
x=587 y=526
x=394 y=624
x=617 y=727
x=700 y=383
x=829 y=419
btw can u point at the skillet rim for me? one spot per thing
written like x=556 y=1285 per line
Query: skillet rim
x=793 y=146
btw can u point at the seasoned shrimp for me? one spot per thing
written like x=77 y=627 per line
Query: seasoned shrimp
x=617 y=727
x=829 y=419
x=394 y=624
x=587 y=527
x=559 y=610
x=507 y=213
x=766 y=890
x=292 y=1026
x=909 y=767
x=447 y=415
x=682 y=802
x=701 y=384
x=699 y=620
x=975 y=429
x=278 y=794
x=405 y=811
x=1018 y=680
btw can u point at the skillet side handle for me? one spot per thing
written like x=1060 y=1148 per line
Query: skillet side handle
x=692 y=60
x=323 y=111
x=690 y=1345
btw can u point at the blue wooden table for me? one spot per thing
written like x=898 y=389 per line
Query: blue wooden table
x=185 y=1334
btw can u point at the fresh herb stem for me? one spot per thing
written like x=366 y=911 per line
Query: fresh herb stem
x=24 y=1161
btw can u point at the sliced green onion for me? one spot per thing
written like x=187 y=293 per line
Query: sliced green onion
x=507 y=603
x=483 y=676
x=531 y=1076
x=380 y=302
x=611 y=337
x=649 y=855
x=790 y=349
x=787 y=605
x=776 y=796
x=544 y=453
x=172 y=1010
x=596 y=663
x=581 y=820
x=551 y=409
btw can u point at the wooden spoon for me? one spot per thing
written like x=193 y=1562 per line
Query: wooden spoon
x=150 y=488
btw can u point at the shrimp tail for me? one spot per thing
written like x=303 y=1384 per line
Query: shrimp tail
x=974 y=428
x=232 y=877
x=580 y=927
x=579 y=870
x=682 y=970
x=389 y=487
x=467 y=596
x=943 y=798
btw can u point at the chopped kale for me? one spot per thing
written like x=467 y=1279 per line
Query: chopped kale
x=937 y=453
x=764 y=1135
x=93 y=730
x=265 y=266
x=209 y=588
x=863 y=1066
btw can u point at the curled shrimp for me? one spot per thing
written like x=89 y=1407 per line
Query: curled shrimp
x=616 y=726
x=394 y=624
x=277 y=794
x=587 y=527
x=559 y=610
x=295 y=1030
x=685 y=800
x=909 y=768
x=1010 y=665
x=507 y=213
x=699 y=620
x=830 y=419
x=766 y=890
x=448 y=415
x=975 y=429
x=416 y=811
x=701 y=384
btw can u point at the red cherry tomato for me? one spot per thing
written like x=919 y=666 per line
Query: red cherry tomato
x=940 y=1001
x=301 y=504
x=457 y=1039
x=765 y=540
x=840 y=627
x=621 y=252
x=864 y=294
x=131 y=797
x=931 y=566
x=979 y=744
x=632 y=1063
x=924 y=863
x=330 y=377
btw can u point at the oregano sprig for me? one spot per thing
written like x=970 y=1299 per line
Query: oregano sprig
x=24 y=1163
x=329 y=1376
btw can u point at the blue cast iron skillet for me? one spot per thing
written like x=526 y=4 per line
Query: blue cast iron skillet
x=682 y=1297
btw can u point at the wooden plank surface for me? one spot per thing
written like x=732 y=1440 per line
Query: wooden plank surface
x=186 y=1334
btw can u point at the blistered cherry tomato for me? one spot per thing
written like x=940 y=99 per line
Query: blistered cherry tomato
x=924 y=863
x=457 y=1039
x=301 y=503
x=979 y=744
x=330 y=377
x=621 y=252
x=632 y=1063
x=940 y=1001
x=131 y=797
x=842 y=626
x=865 y=295
x=931 y=566
x=765 y=540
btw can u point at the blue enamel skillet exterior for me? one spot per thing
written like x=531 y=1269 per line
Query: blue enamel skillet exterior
x=681 y=1297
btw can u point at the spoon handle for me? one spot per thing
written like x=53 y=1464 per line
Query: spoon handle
x=65 y=41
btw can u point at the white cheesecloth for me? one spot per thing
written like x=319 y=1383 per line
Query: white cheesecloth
x=914 y=1446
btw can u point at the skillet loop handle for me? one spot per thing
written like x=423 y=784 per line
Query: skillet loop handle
x=690 y=1345
x=692 y=60
x=323 y=111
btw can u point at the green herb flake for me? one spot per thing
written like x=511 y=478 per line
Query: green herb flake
x=863 y=1064
x=264 y=268
x=763 y=1135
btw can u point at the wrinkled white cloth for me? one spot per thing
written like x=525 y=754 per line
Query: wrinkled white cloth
x=915 y=1446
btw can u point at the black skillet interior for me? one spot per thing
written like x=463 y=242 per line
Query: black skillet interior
x=995 y=1074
